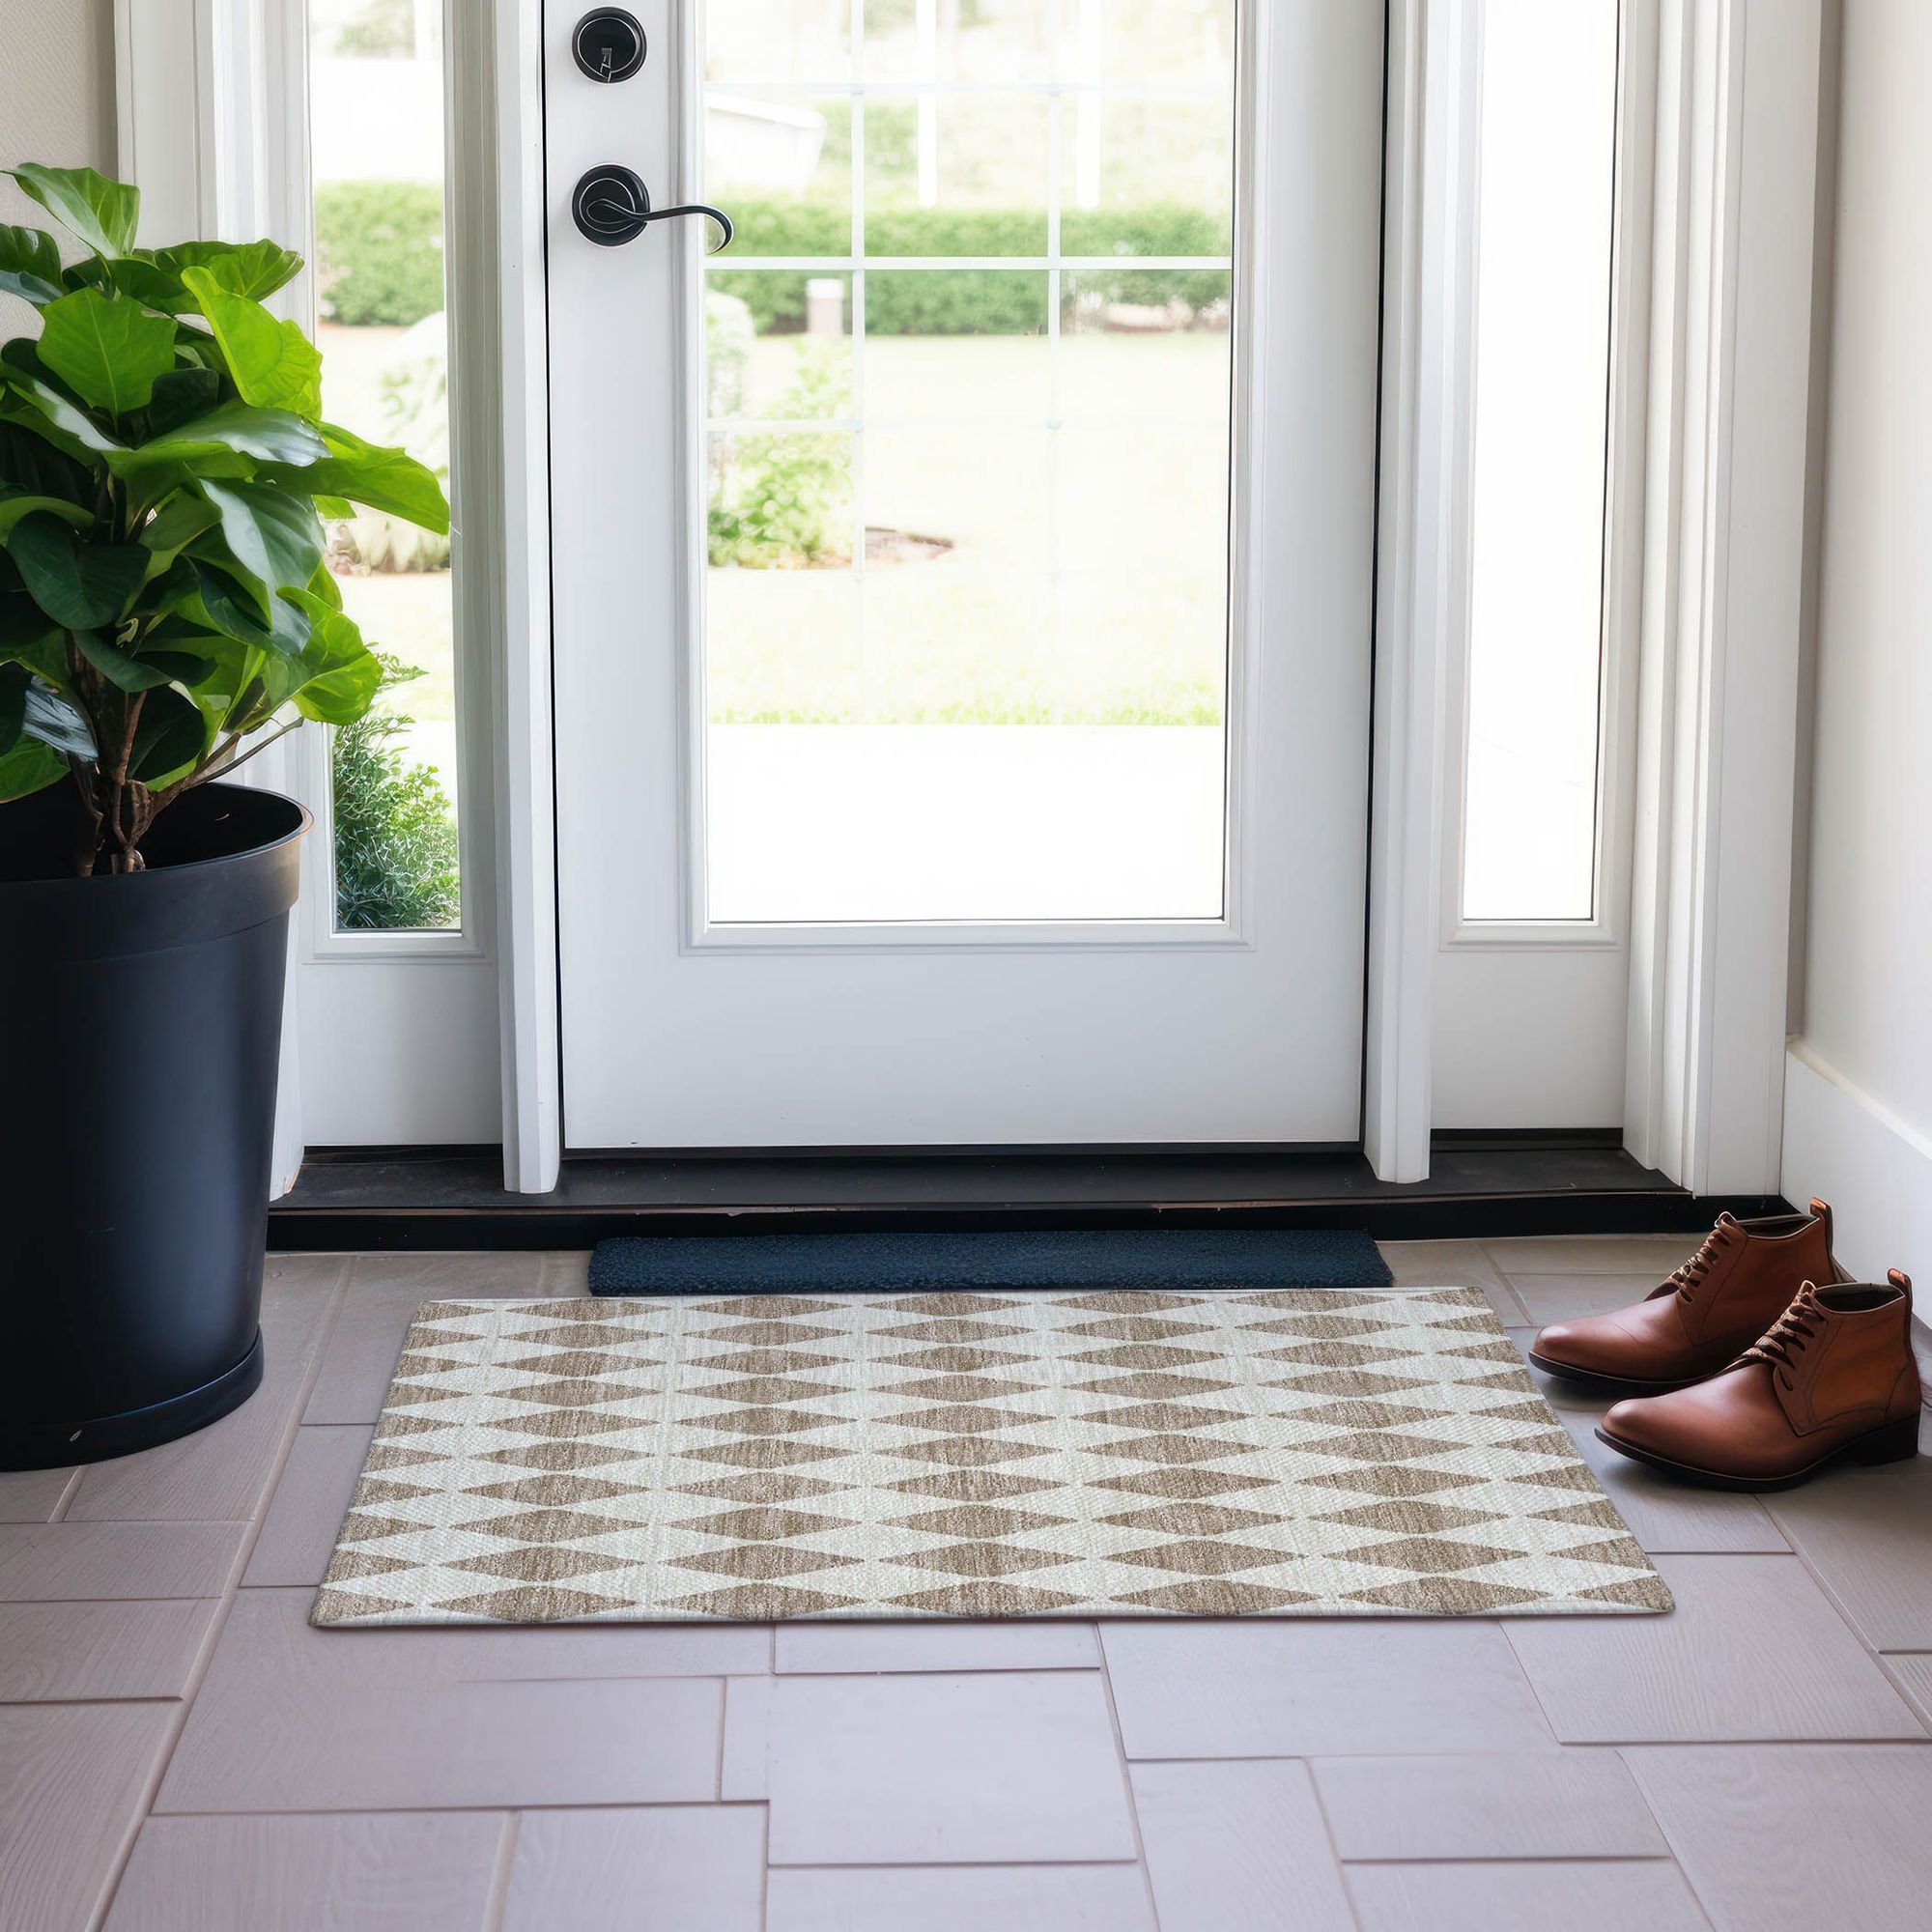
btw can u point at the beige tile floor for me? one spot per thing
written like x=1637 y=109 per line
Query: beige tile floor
x=180 y=1753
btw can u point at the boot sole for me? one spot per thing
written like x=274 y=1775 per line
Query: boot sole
x=1896 y=1442
x=1593 y=1383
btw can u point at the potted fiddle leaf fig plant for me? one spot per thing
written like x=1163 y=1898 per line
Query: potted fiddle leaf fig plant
x=165 y=612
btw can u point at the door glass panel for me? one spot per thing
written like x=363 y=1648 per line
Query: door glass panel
x=956 y=174
x=965 y=649
x=1543 y=345
x=779 y=345
x=376 y=120
x=998 y=40
x=778 y=41
x=929 y=330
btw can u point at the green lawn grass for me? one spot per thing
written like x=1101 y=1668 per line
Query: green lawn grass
x=1086 y=581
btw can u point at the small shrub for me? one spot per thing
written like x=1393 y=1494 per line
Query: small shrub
x=413 y=392
x=729 y=335
x=396 y=852
x=379 y=248
x=781 y=500
x=382 y=30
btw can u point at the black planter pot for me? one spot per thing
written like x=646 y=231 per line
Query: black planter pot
x=143 y=1021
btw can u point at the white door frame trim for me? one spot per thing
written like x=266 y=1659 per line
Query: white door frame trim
x=1731 y=370
x=1720 y=512
x=1422 y=589
x=526 y=795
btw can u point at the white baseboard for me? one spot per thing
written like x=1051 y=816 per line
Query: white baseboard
x=1873 y=1167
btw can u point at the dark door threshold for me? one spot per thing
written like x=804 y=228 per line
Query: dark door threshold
x=1482 y=1185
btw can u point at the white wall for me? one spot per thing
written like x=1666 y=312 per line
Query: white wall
x=1858 y=1107
x=56 y=101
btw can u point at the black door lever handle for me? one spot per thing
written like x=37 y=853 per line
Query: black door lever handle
x=613 y=206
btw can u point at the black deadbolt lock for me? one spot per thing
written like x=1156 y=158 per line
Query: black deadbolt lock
x=609 y=43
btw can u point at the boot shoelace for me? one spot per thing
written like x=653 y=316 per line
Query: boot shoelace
x=1784 y=1341
x=1691 y=1276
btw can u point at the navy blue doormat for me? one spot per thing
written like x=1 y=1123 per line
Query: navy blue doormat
x=1157 y=1257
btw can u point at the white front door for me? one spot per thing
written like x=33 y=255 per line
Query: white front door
x=963 y=583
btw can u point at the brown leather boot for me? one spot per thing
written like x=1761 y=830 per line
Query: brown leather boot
x=1710 y=1310
x=1834 y=1376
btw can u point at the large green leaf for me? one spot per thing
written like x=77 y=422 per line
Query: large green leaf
x=133 y=274
x=323 y=586
x=171 y=736
x=343 y=673
x=13 y=507
x=187 y=667
x=79 y=586
x=237 y=688
x=29 y=767
x=180 y=397
x=250 y=268
x=272 y=436
x=107 y=348
x=152 y=474
x=390 y=480
x=46 y=656
x=274 y=539
x=31 y=463
x=24 y=627
x=30 y=264
x=117 y=667
x=95 y=211
x=215 y=606
x=274 y=363
x=173 y=527
x=227 y=443
x=154 y=277
x=41 y=409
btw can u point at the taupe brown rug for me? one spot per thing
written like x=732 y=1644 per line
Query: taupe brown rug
x=1284 y=1453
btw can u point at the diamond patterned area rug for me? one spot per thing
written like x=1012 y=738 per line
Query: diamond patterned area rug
x=1123 y=1454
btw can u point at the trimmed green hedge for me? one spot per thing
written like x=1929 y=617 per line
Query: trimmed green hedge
x=380 y=248
x=378 y=245
x=397 y=861
x=969 y=301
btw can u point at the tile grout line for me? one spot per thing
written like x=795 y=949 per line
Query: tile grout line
x=1882 y=1660
x=1126 y=1771
x=188 y=1596
x=958 y=1864
x=500 y=1873
x=1840 y=1611
x=765 y=1865
x=1662 y=1830
x=1502 y=1625
x=1334 y=1843
x=1526 y=1859
x=158 y=1769
x=1502 y=1275
x=494 y=1808
x=1553 y=1751
x=827 y=1676
x=88 y=1703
